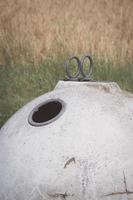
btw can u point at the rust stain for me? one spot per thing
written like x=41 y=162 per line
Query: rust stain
x=119 y=193
x=124 y=192
x=69 y=161
x=62 y=195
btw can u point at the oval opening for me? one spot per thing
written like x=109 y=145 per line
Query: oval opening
x=46 y=113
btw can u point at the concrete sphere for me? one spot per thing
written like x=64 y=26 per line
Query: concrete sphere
x=74 y=143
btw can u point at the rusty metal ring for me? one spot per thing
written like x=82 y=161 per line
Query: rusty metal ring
x=86 y=76
x=77 y=73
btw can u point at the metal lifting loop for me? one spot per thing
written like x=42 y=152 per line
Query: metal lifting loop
x=77 y=73
x=86 y=76
x=80 y=74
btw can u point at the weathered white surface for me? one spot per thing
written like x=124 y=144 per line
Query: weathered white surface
x=87 y=154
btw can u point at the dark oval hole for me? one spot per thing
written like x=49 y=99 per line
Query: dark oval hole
x=46 y=113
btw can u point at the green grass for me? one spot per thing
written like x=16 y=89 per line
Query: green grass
x=21 y=83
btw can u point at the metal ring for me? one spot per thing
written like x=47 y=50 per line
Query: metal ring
x=86 y=76
x=75 y=75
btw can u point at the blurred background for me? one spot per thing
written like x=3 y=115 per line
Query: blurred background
x=36 y=36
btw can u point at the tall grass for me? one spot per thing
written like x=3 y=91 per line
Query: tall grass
x=101 y=27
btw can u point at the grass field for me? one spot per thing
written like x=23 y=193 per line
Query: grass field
x=36 y=36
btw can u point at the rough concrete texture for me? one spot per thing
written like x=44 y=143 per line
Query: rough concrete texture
x=86 y=154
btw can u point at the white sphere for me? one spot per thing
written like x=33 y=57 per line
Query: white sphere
x=81 y=150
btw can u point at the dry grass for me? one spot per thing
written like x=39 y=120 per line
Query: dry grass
x=49 y=27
